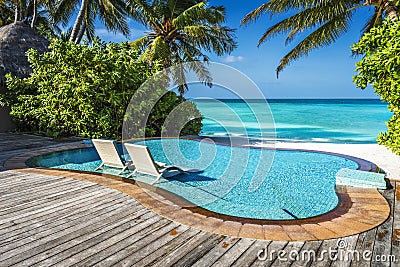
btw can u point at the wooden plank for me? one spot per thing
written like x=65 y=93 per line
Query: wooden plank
x=181 y=251
x=79 y=212
x=125 y=252
x=20 y=225
x=324 y=259
x=147 y=245
x=384 y=232
x=36 y=234
x=40 y=192
x=28 y=182
x=216 y=252
x=52 y=194
x=273 y=246
x=54 y=207
x=251 y=254
x=131 y=238
x=157 y=255
x=30 y=190
x=307 y=254
x=10 y=177
x=29 y=217
x=78 y=245
x=53 y=228
x=24 y=184
x=234 y=252
x=396 y=227
x=34 y=196
x=198 y=251
x=345 y=247
x=365 y=242
x=38 y=245
x=291 y=251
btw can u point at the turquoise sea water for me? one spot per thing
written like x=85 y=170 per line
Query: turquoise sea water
x=234 y=181
x=330 y=120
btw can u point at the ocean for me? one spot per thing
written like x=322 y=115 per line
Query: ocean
x=296 y=120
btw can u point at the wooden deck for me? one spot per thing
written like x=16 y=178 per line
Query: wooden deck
x=47 y=220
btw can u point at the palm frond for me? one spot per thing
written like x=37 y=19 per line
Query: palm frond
x=63 y=10
x=323 y=36
x=212 y=39
x=306 y=19
x=200 y=68
x=256 y=13
x=157 y=50
x=141 y=43
x=190 y=15
x=277 y=7
x=141 y=11
x=113 y=13
x=375 y=20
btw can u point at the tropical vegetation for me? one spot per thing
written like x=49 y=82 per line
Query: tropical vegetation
x=324 y=21
x=48 y=16
x=182 y=31
x=36 y=13
x=380 y=67
x=81 y=90
x=112 y=12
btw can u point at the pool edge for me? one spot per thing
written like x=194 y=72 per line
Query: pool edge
x=360 y=209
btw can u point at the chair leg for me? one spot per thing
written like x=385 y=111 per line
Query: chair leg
x=101 y=166
x=157 y=179
x=124 y=169
x=132 y=174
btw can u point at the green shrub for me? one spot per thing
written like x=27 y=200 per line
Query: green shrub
x=380 y=67
x=81 y=90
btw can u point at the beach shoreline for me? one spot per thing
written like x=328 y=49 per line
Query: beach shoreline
x=377 y=154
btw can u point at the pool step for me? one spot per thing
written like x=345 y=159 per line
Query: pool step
x=358 y=178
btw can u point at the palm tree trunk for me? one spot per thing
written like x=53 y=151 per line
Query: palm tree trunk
x=78 y=21
x=16 y=15
x=34 y=17
x=81 y=32
x=392 y=11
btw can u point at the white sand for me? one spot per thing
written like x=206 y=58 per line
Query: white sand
x=377 y=154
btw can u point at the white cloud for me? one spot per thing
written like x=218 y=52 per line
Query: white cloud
x=231 y=59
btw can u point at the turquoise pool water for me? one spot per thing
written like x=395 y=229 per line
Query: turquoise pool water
x=234 y=181
x=310 y=120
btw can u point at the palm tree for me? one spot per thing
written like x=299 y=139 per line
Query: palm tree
x=327 y=20
x=182 y=31
x=36 y=13
x=112 y=12
x=6 y=12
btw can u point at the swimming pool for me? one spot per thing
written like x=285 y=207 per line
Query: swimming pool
x=234 y=181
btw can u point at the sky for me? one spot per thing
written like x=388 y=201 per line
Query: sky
x=326 y=73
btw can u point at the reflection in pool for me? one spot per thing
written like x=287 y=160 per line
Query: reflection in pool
x=235 y=181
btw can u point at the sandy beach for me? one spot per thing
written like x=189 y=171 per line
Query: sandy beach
x=375 y=153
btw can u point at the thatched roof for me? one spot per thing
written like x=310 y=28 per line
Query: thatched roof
x=15 y=40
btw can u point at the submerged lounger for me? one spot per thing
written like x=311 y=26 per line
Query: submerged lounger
x=109 y=155
x=360 y=178
x=144 y=163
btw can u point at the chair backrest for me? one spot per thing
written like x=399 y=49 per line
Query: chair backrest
x=142 y=159
x=108 y=153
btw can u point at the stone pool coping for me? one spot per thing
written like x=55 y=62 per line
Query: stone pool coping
x=359 y=209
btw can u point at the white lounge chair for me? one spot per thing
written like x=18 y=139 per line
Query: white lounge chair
x=144 y=163
x=109 y=155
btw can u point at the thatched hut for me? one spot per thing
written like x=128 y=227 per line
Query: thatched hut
x=15 y=40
